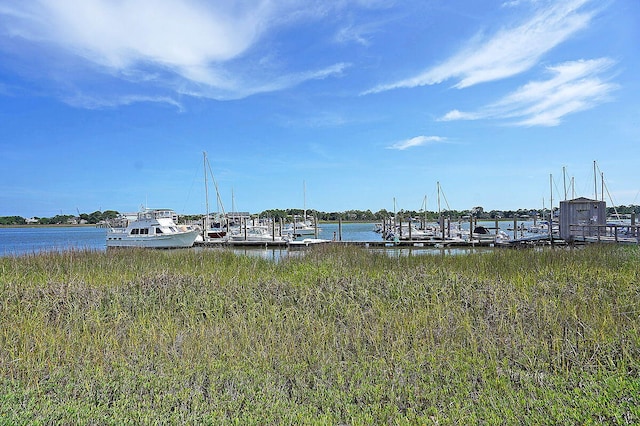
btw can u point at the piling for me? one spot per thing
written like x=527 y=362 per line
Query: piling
x=273 y=230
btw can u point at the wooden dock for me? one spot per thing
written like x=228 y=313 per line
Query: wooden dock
x=580 y=234
x=365 y=244
x=607 y=234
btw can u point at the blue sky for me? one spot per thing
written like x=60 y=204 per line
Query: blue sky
x=110 y=104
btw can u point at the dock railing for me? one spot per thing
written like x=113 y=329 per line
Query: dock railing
x=617 y=233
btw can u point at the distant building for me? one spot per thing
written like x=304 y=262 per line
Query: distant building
x=238 y=215
x=581 y=217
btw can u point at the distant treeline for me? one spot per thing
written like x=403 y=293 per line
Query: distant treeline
x=478 y=212
x=349 y=215
x=63 y=219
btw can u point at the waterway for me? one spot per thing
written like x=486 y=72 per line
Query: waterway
x=20 y=241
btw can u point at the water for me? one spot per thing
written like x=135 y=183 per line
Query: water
x=350 y=232
x=22 y=241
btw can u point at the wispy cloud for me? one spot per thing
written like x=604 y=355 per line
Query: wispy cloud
x=179 y=46
x=574 y=86
x=508 y=52
x=359 y=34
x=416 y=141
x=90 y=102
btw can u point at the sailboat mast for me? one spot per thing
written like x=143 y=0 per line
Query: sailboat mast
x=595 y=181
x=206 y=193
x=424 y=226
x=564 y=181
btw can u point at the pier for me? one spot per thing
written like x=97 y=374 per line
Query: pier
x=434 y=243
x=609 y=233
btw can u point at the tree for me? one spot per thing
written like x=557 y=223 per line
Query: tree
x=12 y=220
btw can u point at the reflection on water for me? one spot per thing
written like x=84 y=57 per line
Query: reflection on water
x=281 y=253
x=397 y=252
x=275 y=254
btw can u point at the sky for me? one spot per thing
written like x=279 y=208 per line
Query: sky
x=326 y=105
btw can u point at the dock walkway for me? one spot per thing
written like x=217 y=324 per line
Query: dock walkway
x=367 y=244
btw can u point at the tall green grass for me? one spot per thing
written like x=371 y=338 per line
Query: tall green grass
x=337 y=336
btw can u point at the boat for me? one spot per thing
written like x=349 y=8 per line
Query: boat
x=214 y=230
x=300 y=228
x=307 y=242
x=256 y=233
x=153 y=228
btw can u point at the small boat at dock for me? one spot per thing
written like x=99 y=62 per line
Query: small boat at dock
x=256 y=233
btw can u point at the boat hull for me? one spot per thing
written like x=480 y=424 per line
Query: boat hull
x=177 y=240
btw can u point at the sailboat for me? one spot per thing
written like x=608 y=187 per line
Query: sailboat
x=213 y=230
x=305 y=227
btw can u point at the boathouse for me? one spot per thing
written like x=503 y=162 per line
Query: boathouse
x=582 y=217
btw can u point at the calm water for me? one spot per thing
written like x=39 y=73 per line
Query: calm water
x=21 y=241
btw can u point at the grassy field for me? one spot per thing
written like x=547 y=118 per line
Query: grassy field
x=339 y=336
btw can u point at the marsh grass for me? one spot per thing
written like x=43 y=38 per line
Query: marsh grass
x=338 y=336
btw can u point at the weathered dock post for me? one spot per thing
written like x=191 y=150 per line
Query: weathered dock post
x=315 y=225
x=470 y=227
x=273 y=229
x=339 y=228
x=244 y=223
x=515 y=228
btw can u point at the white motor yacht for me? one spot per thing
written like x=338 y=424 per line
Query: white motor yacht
x=153 y=228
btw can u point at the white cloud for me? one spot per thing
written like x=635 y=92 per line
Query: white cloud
x=416 y=141
x=88 y=102
x=175 y=33
x=180 y=46
x=458 y=115
x=574 y=86
x=355 y=34
x=508 y=52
